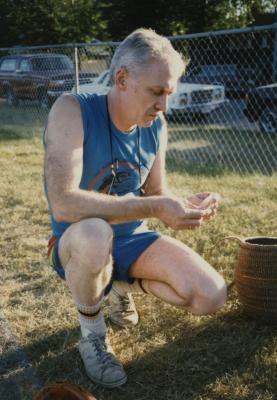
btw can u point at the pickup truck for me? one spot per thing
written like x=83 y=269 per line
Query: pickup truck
x=189 y=99
x=38 y=77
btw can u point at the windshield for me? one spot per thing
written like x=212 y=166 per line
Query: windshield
x=52 y=64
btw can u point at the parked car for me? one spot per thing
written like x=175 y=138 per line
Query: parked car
x=100 y=85
x=261 y=106
x=40 y=77
x=237 y=81
x=188 y=98
x=192 y=98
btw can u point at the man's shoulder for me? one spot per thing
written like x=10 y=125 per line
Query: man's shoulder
x=88 y=97
x=90 y=103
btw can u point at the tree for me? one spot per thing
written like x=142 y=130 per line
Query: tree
x=160 y=15
x=183 y=16
x=27 y=22
x=42 y=22
x=38 y=22
x=80 y=20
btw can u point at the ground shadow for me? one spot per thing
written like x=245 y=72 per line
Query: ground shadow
x=192 y=357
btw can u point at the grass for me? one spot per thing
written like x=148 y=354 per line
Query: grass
x=241 y=150
x=25 y=120
x=171 y=354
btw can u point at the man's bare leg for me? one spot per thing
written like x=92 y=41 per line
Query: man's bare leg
x=85 y=253
x=173 y=272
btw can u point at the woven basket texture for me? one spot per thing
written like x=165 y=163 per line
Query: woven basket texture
x=256 y=276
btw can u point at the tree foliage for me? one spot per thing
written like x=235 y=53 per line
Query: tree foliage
x=37 y=22
x=184 y=16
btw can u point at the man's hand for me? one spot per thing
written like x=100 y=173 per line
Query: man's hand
x=176 y=214
x=204 y=201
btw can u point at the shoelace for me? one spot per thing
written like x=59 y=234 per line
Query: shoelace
x=101 y=349
x=124 y=304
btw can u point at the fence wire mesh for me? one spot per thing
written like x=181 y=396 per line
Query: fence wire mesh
x=223 y=115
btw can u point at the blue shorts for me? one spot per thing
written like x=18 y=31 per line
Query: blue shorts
x=126 y=250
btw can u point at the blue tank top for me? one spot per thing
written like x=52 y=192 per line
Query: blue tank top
x=97 y=158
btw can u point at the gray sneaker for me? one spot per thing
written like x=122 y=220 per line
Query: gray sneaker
x=101 y=365
x=122 y=309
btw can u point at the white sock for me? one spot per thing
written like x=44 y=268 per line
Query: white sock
x=91 y=319
x=122 y=287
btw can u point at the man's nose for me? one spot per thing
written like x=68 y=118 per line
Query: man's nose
x=162 y=104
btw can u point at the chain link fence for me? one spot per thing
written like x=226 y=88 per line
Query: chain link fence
x=223 y=115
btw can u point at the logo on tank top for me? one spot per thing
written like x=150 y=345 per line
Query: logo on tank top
x=125 y=180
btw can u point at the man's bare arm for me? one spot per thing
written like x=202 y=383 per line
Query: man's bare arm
x=157 y=182
x=63 y=170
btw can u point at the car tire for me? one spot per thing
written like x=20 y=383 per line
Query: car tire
x=12 y=100
x=268 y=121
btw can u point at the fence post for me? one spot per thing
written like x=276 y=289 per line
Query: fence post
x=76 y=69
x=274 y=66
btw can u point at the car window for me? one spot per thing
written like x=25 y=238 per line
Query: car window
x=52 y=63
x=8 y=65
x=194 y=71
x=24 y=66
x=219 y=69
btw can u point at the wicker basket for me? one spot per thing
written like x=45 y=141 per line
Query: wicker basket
x=256 y=276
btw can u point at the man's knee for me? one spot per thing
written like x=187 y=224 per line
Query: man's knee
x=89 y=242
x=210 y=299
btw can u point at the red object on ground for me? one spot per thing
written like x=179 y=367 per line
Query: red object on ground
x=63 y=391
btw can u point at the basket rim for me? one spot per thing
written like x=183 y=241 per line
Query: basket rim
x=245 y=242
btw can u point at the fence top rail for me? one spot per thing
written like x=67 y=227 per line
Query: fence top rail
x=57 y=46
x=186 y=36
x=250 y=29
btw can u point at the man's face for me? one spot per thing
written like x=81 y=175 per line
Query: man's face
x=147 y=94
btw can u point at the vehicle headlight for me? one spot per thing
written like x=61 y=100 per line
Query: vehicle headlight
x=217 y=94
x=183 y=99
x=60 y=82
x=54 y=84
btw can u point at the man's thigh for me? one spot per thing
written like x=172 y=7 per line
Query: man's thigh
x=171 y=261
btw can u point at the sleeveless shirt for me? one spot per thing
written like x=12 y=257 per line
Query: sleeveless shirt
x=127 y=152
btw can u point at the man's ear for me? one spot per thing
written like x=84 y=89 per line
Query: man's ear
x=121 y=78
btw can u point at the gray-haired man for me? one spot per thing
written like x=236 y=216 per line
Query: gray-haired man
x=105 y=176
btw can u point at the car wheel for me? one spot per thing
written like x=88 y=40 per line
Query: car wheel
x=11 y=98
x=268 y=121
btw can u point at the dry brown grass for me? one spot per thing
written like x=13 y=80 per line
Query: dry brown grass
x=171 y=354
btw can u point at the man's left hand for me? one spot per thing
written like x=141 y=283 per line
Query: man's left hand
x=204 y=201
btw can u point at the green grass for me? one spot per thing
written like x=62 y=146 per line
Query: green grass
x=201 y=147
x=27 y=119
x=171 y=354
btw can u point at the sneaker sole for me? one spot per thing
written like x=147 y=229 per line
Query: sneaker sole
x=111 y=384
x=123 y=325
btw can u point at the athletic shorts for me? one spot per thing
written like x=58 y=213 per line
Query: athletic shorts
x=126 y=250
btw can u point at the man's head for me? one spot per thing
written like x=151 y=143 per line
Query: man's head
x=144 y=70
x=142 y=48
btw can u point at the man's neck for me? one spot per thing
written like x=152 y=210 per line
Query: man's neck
x=117 y=113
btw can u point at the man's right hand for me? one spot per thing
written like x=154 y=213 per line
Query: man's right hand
x=173 y=212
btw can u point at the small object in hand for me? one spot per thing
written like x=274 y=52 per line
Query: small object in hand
x=63 y=391
x=212 y=197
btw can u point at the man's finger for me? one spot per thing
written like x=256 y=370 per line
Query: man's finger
x=196 y=213
x=212 y=199
x=190 y=224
